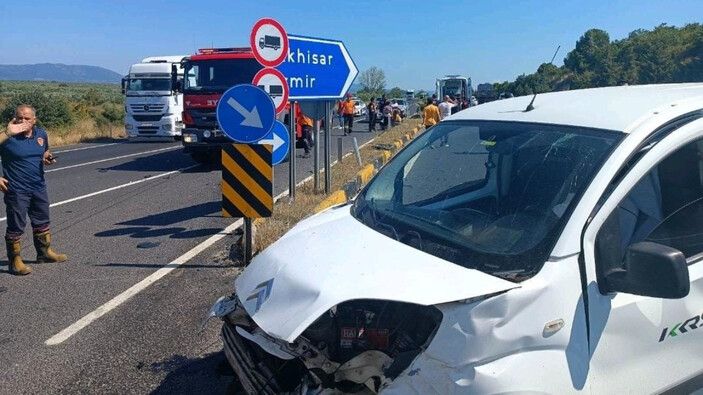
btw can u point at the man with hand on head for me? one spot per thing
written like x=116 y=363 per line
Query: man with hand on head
x=24 y=150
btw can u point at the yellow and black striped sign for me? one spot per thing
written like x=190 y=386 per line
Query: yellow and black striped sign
x=247 y=181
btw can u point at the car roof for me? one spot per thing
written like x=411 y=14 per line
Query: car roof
x=613 y=108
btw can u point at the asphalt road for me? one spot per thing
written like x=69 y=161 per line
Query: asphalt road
x=123 y=210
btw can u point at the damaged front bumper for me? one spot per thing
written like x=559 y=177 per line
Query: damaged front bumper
x=357 y=347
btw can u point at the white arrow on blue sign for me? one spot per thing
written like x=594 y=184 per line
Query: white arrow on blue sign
x=317 y=68
x=279 y=138
x=245 y=113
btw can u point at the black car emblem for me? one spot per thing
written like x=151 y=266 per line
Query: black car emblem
x=146 y=107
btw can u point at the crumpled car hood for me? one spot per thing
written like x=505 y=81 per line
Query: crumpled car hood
x=331 y=258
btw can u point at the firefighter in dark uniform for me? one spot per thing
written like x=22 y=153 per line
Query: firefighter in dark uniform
x=24 y=150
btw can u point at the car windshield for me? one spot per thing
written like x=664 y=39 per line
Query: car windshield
x=400 y=102
x=485 y=195
x=218 y=75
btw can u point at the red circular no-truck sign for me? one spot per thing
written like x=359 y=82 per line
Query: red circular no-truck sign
x=269 y=42
x=274 y=83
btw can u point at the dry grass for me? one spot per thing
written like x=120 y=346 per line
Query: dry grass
x=83 y=131
x=287 y=214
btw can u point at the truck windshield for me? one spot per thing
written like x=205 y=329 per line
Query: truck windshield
x=485 y=195
x=452 y=87
x=148 y=84
x=218 y=75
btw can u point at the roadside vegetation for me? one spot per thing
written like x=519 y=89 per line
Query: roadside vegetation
x=665 y=54
x=71 y=112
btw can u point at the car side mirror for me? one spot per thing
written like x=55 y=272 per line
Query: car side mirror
x=124 y=85
x=653 y=270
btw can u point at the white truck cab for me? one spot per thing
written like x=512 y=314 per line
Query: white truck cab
x=554 y=246
x=152 y=107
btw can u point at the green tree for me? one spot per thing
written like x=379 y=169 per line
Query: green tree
x=396 y=93
x=593 y=58
x=373 y=80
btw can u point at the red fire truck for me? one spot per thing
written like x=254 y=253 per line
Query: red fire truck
x=206 y=75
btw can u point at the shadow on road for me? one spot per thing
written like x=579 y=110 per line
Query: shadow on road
x=158 y=225
x=208 y=375
x=178 y=215
x=161 y=162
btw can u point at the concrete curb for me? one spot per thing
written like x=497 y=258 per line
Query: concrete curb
x=364 y=175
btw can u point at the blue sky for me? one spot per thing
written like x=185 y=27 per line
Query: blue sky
x=414 y=42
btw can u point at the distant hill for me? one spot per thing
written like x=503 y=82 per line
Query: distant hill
x=58 y=72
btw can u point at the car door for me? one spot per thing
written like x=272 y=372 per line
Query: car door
x=641 y=344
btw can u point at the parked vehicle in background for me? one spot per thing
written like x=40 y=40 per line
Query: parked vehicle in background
x=209 y=73
x=410 y=94
x=453 y=85
x=485 y=93
x=505 y=95
x=153 y=106
x=402 y=106
x=554 y=248
x=359 y=107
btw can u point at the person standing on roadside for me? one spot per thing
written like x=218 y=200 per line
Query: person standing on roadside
x=306 y=126
x=348 y=112
x=371 y=109
x=430 y=115
x=445 y=110
x=340 y=109
x=24 y=150
x=457 y=105
x=387 y=114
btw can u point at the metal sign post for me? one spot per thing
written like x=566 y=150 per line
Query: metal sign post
x=328 y=137
x=316 y=159
x=293 y=141
x=248 y=242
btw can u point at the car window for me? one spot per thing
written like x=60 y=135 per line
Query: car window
x=664 y=207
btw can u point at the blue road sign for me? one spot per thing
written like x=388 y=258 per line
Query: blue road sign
x=245 y=113
x=280 y=139
x=317 y=69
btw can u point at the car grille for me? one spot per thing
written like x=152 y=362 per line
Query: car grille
x=147 y=108
x=147 y=118
x=254 y=376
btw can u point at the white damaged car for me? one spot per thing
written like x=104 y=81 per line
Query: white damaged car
x=555 y=245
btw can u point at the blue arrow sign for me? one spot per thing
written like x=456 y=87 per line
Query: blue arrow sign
x=317 y=68
x=245 y=113
x=280 y=139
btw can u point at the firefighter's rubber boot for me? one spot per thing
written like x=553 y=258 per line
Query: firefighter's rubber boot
x=17 y=267
x=42 y=242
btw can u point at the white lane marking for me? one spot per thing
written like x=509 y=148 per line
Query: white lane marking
x=129 y=184
x=138 y=287
x=114 y=158
x=85 y=148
